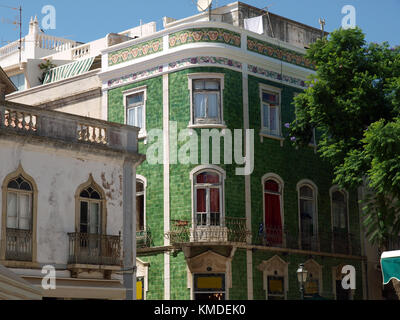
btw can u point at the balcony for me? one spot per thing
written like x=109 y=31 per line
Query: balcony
x=143 y=239
x=76 y=131
x=94 y=249
x=231 y=230
x=326 y=242
x=18 y=245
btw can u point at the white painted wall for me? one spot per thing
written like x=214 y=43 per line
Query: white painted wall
x=58 y=174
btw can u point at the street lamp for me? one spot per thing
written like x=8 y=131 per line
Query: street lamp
x=302 y=278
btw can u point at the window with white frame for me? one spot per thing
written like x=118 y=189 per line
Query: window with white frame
x=270 y=111
x=135 y=106
x=206 y=99
x=208 y=198
x=307 y=211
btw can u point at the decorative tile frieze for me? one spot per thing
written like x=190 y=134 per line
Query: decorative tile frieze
x=274 y=51
x=215 y=35
x=135 y=76
x=136 y=51
x=225 y=62
x=183 y=63
x=276 y=76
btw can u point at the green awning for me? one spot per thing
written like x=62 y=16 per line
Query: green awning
x=68 y=70
x=390 y=264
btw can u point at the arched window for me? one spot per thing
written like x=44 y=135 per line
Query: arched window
x=19 y=209
x=208 y=198
x=90 y=213
x=19 y=204
x=340 y=236
x=140 y=205
x=339 y=211
x=272 y=211
x=91 y=208
x=308 y=216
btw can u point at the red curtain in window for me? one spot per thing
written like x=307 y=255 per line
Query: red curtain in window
x=201 y=200
x=273 y=221
x=214 y=195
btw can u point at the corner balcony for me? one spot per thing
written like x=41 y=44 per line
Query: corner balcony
x=323 y=242
x=94 y=252
x=230 y=230
x=18 y=245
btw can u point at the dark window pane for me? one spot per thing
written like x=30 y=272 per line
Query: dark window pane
x=271 y=186
x=208 y=177
x=95 y=195
x=85 y=194
x=13 y=185
x=84 y=212
x=270 y=98
x=306 y=191
x=25 y=186
x=139 y=186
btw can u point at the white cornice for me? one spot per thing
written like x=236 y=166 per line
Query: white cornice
x=215 y=50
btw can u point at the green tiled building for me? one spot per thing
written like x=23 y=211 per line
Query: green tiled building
x=203 y=230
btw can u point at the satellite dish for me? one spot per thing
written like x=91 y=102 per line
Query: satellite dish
x=203 y=5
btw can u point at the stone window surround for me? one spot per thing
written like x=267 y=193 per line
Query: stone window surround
x=316 y=269
x=279 y=180
x=205 y=168
x=7 y=179
x=272 y=267
x=103 y=216
x=206 y=75
x=126 y=94
x=275 y=90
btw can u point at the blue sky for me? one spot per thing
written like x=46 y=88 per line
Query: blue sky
x=87 y=20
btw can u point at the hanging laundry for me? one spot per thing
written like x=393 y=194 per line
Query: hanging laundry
x=254 y=24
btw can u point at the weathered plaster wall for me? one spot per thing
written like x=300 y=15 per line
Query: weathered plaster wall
x=58 y=174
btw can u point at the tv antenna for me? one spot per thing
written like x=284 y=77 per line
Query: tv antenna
x=17 y=22
x=204 y=5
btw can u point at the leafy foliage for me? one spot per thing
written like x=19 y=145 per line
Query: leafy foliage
x=45 y=67
x=353 y=101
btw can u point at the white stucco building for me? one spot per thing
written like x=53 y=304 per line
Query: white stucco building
x=67 y=186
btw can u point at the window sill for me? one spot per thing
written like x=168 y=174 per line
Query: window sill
x=207 y=126
x=271 y=136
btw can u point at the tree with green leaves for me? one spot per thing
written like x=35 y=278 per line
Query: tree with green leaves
x=353 y=102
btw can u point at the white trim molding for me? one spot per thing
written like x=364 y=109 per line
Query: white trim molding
x=132 y=91
x=206 y=75
x=279 y=180
x=263 y=132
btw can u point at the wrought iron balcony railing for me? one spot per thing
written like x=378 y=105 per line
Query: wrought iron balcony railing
x=18 y=245
x=94 y=249
x=230 y=230
x=328 y=242
x=143 y=239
